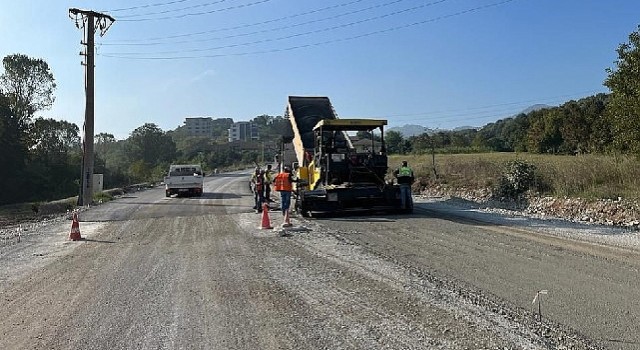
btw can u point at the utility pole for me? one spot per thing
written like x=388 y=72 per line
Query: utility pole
x=100 y=21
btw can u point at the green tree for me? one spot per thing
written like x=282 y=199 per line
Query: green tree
x=52 y=138
x=544 y=134
x=13 y=154
x=113 y=161
x=148 y=143
x=441 y=139
x=262 y=120
x=104 y=141
x=491 y=136
x=575 y=128
x=505 y=135
x=514 y=133
x=192 y=147
x=140 y=171
x=272 y=127
x=623 y=108
x=462 y=138
x=223 y=157
x=55 y=159
x=28 y=83
x=394 y=142
x=601 y=136
x=421 y=143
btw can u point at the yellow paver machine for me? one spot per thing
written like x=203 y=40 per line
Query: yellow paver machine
x=340 y=163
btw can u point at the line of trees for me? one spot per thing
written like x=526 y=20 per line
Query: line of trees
x=573 y=128
x=40 y=158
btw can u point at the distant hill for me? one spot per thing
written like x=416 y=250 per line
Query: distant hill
x=460 y=128
x=409 y=130
x=534 y=108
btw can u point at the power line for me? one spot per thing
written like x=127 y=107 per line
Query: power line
x=245 y=25
x=333 y=41
x=198 y=13
x=146 y=6
x=538 y=100
x=277 y=28
x=498 y=114
x=341 y=26
x=461 y=117
x=173 y=10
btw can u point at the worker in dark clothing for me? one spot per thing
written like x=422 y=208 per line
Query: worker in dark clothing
x=404 y=177
x=257 y=186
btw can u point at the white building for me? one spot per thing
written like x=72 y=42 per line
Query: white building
x=199 y=126
x=243 y=131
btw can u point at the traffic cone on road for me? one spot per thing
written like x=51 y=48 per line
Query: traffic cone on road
x=75 y=229
x=266 y=222
x=287 y=221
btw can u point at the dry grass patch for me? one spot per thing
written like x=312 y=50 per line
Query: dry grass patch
x=584 y=176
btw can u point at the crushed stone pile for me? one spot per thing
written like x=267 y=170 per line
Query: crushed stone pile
x=618 y=212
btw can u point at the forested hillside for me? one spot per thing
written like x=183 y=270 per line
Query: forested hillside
x=575 y=127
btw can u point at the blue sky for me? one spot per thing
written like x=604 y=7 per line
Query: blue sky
x=435 y=63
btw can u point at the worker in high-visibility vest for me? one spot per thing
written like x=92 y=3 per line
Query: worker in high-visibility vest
x=404 y=177
x=268 y=181
x=283 y=183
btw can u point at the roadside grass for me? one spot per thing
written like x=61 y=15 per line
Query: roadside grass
x=102 y=197
x=581 y=176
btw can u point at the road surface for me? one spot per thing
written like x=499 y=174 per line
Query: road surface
x=198 y=273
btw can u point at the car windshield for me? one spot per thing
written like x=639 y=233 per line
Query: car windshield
x=185 y=171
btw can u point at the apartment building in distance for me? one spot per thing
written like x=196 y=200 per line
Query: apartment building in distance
x=243 y=131
x=199 y=126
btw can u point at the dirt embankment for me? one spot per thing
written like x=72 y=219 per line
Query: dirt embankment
x=24 y=213
x=611 y=212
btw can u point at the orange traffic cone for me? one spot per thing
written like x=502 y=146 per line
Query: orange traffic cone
x=266 y=222
x=287 y=221
x=75 y=229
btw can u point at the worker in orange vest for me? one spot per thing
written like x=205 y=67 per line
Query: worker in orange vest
x=283 y=183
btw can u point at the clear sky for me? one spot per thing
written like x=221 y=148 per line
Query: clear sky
x=435 y=63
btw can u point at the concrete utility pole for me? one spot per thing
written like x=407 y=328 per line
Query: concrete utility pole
x=103 y=22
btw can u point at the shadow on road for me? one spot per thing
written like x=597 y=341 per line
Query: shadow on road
x=97 y=241
x=206 y=195
x=620 y=341
x=352 y=218
x=218 y=195
x=437 y=210
x=231 y=175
